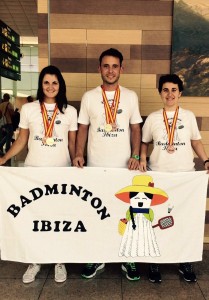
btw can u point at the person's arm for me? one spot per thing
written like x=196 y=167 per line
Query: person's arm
x=80 y=145
x=11 y=109
x=71 y=144
x=17 y=146
x=133 y=163
x=143 y=155
x=200 y=151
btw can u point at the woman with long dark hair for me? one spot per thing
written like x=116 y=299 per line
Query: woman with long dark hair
x=48 y=127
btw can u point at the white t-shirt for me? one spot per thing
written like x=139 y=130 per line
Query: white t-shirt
x=40 y=154
x=109 y=149
x=186 y=130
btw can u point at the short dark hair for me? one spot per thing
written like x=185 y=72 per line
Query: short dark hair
x=61 y=99
x=6 y=96
x=170 y=78
x=111 y=52
x=30 y=99
x=133 y=194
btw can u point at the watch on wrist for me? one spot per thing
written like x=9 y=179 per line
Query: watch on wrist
x=136 y=156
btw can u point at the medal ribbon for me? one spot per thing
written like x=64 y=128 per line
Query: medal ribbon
x=110 y=112
x=48 y=126
x=171 y=131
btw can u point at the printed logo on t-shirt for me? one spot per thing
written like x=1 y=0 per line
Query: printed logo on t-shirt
x=41 y=137
x=177 y=140
x=116 y=130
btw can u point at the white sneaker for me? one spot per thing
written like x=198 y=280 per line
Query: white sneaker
x=60 y=273
x=31 y=273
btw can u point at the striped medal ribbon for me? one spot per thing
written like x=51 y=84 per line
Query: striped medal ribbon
x=48 y=126
x=111 y=111
x=170 y=131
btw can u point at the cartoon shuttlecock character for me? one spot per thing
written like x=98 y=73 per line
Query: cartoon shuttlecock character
x=139 y=237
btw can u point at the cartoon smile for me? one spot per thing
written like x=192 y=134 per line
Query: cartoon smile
x=140 y=204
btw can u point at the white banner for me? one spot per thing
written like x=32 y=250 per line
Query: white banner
x=70 y=215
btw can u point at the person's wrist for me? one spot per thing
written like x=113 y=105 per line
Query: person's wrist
x=79 y=155
x=206 y=161
x=137 y=157
x=4 y=159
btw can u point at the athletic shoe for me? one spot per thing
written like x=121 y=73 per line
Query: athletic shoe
x=154 y=273
x=60 y=273
x=131 y=271
x=187 y=271
x=30 y=274
x=90 y=270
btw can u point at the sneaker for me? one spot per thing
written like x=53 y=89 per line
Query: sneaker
x=31 y=273
x=154 y=273
x=131 y=271
x=187 y=271
x=60 y=273
x=90 y=270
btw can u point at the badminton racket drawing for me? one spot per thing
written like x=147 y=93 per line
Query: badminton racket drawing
x=165 y=222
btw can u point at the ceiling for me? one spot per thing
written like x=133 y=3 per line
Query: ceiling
x=22 y=17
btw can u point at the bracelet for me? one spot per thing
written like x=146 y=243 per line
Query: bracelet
x=207 y=160
x=136 y=156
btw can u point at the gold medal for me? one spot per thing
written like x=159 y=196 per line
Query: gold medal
x=170 y=149
x=108 y=127
x=50 y=141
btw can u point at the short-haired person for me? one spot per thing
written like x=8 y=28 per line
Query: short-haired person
x=175 y=134
x=109 y=117
x=30 y=99
x=48 y=126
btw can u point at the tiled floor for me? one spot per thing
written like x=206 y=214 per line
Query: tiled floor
x=108 y=285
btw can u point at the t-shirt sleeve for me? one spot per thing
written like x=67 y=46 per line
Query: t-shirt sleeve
x=73 y=126
x=24 y=122
x=135 y=116
x=195 y=133
x=83 y=114
x=146 y=131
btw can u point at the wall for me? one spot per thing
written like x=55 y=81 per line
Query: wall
x=142 y=30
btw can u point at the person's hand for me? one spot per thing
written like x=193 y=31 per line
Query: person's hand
x=2 y=160
x=143 y=165
x=78 y=161
x=207 y=167
x=133 y=164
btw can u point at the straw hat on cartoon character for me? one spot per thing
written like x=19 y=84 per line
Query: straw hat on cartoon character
x=139 y=236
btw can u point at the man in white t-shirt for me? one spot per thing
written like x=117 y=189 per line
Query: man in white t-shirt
x=109 y=118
